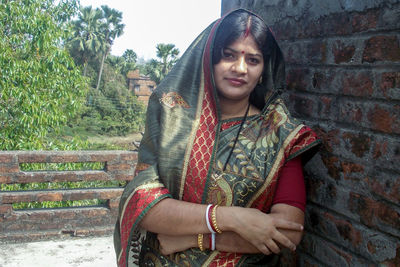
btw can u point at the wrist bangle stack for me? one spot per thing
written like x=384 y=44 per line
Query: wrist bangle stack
x=214 y=220
x=200 y=241
x=208 y=218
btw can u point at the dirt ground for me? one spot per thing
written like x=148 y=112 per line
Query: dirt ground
x=71 y=252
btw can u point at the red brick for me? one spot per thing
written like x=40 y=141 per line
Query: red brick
x=346 y=230
x=381 y=48
x=63 y=158
x=343 y=53
x=296 y=79
x=103 y=158
x=6 y=158
x=351 y=112
x=302 y=105
x=365 y=21
x=372 y=212
x=358 y=84
x=118 y=167
x=316 y=52
x=360 y=143
x=350 y=169
x=129 y=156
x=333 y=165
x=9 y=168
x=5 y=179
x=387 y=187
x=389 y=80
x=32 y=158
x=380 y=149
x=49 y=197
x=5 y=209
x=384 y=118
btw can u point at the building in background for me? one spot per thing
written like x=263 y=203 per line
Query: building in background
x=142 y=86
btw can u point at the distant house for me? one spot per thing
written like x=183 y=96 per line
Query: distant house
x=142 y=86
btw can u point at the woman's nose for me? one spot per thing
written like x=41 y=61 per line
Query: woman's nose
x=240 y=65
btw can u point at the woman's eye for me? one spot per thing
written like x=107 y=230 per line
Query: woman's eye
x=227 y=55
x=254 y=61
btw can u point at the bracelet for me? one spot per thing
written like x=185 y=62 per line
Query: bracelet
x=208 y=213
x=200 y=241
x=214 y=220
x=212 y=241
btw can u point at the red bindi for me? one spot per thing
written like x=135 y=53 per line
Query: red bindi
x=242 y=52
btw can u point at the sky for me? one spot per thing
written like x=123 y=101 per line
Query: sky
x=150 y=22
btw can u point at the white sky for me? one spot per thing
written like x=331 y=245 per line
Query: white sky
x=150 y=22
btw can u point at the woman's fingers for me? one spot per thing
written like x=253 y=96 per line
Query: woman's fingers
x=264 y=249
x=284 y=241
x=272 y=246
x=288 y=225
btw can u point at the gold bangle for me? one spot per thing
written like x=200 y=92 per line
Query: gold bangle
x=200 y=241
x=214 y=220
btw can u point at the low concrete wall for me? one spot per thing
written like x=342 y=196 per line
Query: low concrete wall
x=34 y=224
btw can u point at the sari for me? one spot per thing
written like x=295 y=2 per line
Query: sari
x=190 y=154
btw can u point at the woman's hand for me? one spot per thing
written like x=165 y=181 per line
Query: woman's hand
x=258 y=228
x=176 y=243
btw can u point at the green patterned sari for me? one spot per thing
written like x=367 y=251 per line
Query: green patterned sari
x=186 y=145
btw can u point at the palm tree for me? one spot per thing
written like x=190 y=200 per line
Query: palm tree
x=112 y=28
x=168 y=55
x=158 y=69
x=87 y=36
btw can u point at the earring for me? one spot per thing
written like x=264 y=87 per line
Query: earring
x=260 y=80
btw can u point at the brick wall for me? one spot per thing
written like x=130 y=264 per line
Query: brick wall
x=34 y=224
x=343 y=79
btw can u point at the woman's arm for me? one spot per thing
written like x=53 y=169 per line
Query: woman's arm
x=231 y=241
x=174 y=217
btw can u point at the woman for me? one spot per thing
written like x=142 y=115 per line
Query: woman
x=217 y=133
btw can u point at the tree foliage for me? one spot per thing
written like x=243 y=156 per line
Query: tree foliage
x=167 y=55
x=40 y=86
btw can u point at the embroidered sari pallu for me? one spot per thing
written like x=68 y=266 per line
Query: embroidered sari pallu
x=185 y=152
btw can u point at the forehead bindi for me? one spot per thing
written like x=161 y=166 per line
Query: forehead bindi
x=245 y=46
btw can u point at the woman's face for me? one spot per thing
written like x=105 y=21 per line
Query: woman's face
x=239 y=69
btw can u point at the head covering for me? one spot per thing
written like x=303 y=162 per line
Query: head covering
x=182 y=138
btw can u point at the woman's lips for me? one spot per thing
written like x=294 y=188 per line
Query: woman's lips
x=236 y=82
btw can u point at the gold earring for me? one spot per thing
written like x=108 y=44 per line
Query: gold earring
x=260 y=80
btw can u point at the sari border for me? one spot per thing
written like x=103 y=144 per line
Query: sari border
x=195 y=127
x=300 y=151
x=275 y=166
x=133 y=228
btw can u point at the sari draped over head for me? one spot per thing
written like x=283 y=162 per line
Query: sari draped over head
x=186 y=146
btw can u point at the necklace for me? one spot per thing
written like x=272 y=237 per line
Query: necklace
x=216 y=176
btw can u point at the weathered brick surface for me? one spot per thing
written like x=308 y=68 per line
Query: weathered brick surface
x=24 y=225
x=343 y=79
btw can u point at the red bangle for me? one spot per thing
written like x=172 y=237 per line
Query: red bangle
x=210 y=218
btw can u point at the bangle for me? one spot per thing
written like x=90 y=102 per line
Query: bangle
x=212 y=241
x=214 y=220
x=209 y=226
x=200 y=241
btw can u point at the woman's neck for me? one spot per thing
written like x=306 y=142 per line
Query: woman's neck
x=233 y=109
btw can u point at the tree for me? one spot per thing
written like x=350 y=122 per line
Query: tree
x=112 y=28
x=130 y=58
x=88 y=37
x=40 y=86
x=158 y=69
x=168 y=55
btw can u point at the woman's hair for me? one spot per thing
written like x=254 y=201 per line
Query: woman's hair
x=236 y=25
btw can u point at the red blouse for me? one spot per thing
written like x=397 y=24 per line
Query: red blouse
x=291 y=189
